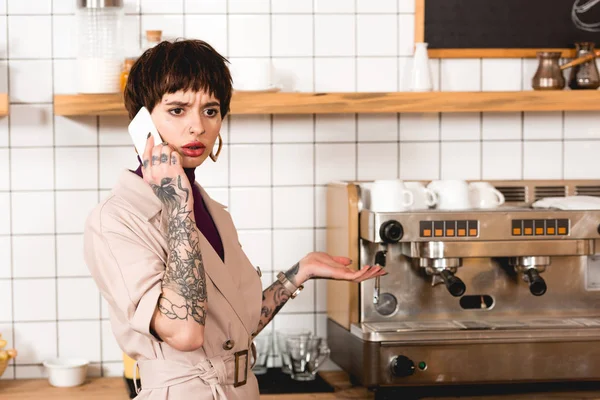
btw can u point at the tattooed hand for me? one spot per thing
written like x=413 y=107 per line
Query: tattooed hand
x=180 y=314
x=322 y=265
x=162 y=169
x=313 y=265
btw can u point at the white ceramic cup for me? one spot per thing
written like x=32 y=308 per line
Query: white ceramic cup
x=66 y=372
x=423 y=197
x=484 y=195
x=453 y=194
x=389 y=195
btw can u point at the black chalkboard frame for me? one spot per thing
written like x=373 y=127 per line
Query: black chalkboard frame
x=476 y=53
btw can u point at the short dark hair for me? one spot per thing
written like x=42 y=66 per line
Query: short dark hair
x=172 y=66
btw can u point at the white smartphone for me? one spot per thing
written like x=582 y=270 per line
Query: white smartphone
x=139 y=127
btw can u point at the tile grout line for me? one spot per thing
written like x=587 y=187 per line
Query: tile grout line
x=10 y=210
x=522 y=117
x=314 y=152
x=99 y=198
x=563 y=144
x=356 y=149
x=54 y=161
x=271 y=173
x=297 y=56
x=314 y=133
x=398 y=88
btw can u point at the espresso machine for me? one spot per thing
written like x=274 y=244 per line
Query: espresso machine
x=506 y=295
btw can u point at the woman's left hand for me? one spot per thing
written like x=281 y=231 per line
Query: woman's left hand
x=322 y=265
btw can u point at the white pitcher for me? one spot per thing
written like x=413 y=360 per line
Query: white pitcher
x=421 y=72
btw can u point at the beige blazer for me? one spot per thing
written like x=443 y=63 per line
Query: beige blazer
x=126 y=252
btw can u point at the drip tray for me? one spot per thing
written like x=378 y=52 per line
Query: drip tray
x=276 y=382
x=497 y=324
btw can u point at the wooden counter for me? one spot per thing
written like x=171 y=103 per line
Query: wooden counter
x=115 y=389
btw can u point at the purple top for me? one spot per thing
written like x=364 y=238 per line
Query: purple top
x=204 y=221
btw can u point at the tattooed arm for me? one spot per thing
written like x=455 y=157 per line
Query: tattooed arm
x=275 y=297
x=180 y=313
x=313 y=265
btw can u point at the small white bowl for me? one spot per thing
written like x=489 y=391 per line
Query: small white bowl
x=66 y=372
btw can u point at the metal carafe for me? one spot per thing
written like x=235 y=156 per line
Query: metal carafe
x=548 y=75
x=585 y=75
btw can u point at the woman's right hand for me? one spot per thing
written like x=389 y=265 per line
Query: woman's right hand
x=163 y=171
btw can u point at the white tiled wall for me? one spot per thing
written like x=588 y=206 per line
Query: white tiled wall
x=273 y=169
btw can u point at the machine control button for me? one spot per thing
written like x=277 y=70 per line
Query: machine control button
x=450 y=228
x=517 y=229
x=472 y=228
x=426 y=228
x=540 y=226
x=550 y=227
x=563 y=226
x=461 y=228
x=391 y=231
x=528 y=227
x=402 y=366
x=438 y=228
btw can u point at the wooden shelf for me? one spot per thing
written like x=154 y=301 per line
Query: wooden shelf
x=395 y=102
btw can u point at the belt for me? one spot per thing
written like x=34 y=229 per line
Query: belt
x=214 y=372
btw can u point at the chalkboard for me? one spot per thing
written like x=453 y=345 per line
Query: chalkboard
x=505 y=28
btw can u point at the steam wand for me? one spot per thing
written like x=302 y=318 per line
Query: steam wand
x=380 y=258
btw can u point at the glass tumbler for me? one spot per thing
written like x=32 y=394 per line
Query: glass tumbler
x=263 y=345
x=281 y=337
x=306 y=356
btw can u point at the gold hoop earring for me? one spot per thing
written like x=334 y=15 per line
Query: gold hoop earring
x=213 y=156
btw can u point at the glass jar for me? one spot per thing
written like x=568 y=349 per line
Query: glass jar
x=126 y=69
x=100 y=51
x=152 y=38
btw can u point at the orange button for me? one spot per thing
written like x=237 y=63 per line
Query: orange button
x=427 y=232
x=539 y=231
x=439 y=232
x=462 y=232
x=472 y=232
x=517 y=231
x=528 y=231
x=550 y=231
x=562 y=231
x=449 y=232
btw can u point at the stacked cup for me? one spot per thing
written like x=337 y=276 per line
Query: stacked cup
x=454 y=194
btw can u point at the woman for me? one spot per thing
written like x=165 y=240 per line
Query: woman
x=185 y=301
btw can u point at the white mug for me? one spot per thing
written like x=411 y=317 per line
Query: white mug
x=423 y=198
x=389 y=195
x=484 y=195
x=452 y=194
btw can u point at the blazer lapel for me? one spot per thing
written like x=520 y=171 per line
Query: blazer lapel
x=219 y=273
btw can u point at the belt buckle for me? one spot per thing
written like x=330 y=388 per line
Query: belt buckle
x=238 y=355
